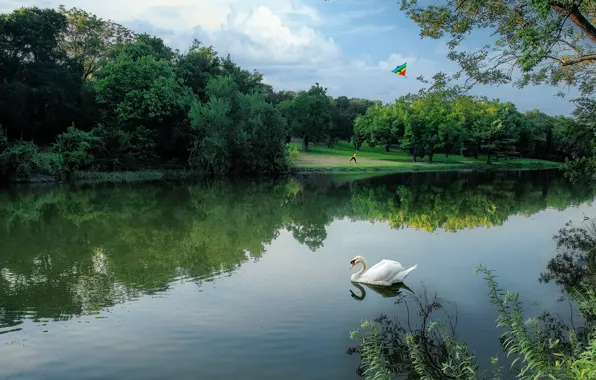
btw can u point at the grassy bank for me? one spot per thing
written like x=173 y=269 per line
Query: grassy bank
x=337 y=159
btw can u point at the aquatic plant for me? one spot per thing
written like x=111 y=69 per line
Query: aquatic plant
x=534 y=352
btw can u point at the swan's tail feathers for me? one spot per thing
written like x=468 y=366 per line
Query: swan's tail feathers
x=401 y=276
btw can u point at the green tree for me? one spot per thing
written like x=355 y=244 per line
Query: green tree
x=245 y=80
x=497 y=127
x=382 y=124
x=40 y=84
x=146 y=89
x=196 y=67
x=341 y=121
x=541 y=133
x=548 y=41
x=142 y=103
x=428 y=114
x=344 y=113
x=237 y=133
x=309 y=115
x=581 y=132
x=141 y=46
x=88 y=38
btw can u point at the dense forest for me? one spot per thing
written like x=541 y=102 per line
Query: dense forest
x=80 y=93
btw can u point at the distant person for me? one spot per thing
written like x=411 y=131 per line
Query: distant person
x=353 y=158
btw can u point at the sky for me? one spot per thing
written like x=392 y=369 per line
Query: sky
x=347 y=46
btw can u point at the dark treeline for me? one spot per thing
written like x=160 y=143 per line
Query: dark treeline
x=81 y=93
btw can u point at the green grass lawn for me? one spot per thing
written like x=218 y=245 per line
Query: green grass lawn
x=373 y=159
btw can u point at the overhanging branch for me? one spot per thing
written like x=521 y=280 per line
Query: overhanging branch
x=583 y=59
x=577 y=18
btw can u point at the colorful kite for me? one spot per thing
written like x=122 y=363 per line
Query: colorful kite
x=400 y=70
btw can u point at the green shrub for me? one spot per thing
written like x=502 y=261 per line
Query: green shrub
x=580 y=169
x=75 y=147
x=23 y=160
x=293 y=153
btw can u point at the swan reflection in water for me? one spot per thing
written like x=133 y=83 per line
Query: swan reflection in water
x=385 y=291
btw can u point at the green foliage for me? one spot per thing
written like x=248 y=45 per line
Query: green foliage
x=371 y=350
x=89 y=39
x=440 y=120
x=37 y=75
x=196 y=68
x=580 y=169
x=237 y=133
x=458 y=363
x=309 y=115
x=293 y=153
x=139 y=90
x=76 y=147
x=381 y=125
x=544 y=41
x=344 y=112
x=547 y=41
x=21 y=160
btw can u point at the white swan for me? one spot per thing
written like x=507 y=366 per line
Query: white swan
x=385 y=272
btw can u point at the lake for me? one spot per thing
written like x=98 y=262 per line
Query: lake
x=250 y=280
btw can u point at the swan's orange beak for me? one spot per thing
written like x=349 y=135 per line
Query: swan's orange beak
x=351 y=266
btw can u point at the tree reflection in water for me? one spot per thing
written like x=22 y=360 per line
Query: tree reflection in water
x=97 y=246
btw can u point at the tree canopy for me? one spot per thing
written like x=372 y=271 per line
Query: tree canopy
x=544 y=41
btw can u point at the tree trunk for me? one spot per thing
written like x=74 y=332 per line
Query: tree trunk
x=488 y=159
x=414 y=153
x=430 y=157
x=577 y=18
x=448 y=150
x=387 y=146
x=330 y=143
x=305 y=144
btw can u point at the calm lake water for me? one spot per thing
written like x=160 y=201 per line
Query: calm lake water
x=250 y=280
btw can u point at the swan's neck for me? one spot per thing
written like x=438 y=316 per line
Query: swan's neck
x=357 y=275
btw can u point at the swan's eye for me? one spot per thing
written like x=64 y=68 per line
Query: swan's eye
x=353 y=262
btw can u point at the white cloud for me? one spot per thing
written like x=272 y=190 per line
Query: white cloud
x=280 y=38
x=359 y=78
x=260 y=35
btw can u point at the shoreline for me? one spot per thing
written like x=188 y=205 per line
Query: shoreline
x=140 y=176
x=430 y=168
